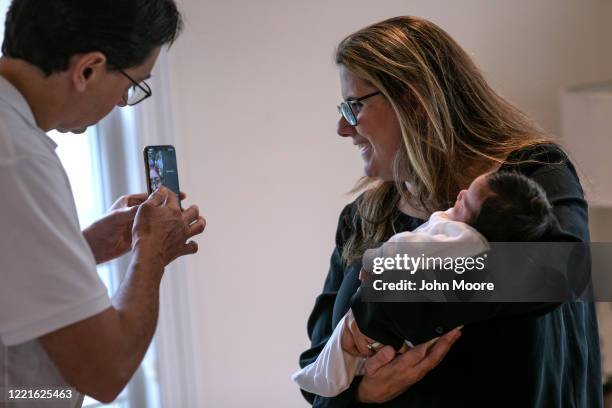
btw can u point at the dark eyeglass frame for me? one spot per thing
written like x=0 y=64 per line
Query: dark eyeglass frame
x=346 y=107
x=143 y=86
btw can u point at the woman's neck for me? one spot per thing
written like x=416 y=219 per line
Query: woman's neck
x=414 y=210
x=409 y=208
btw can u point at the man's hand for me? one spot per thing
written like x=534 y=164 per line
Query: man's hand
x=100 y=354
x=111 y=236
x=387 y=375
x=161 y=230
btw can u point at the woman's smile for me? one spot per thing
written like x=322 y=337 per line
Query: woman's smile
x=364 y=147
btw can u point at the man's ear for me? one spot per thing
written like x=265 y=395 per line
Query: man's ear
x=85 y=68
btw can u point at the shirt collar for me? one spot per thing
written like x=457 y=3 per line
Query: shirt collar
x=11 y=96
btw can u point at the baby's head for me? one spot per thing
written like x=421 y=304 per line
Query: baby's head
x=504 y=206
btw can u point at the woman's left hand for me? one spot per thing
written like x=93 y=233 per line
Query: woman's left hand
x=353 y=341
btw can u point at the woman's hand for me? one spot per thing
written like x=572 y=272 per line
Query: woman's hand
x=353 y=341
x=387 y=375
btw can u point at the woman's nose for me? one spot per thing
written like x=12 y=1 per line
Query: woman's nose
x=345 y=129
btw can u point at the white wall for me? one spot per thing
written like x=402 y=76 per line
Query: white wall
x=254 y=93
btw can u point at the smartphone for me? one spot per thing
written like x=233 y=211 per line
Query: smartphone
x=161 y=168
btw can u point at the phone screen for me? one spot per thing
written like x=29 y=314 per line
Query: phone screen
x=160 y=163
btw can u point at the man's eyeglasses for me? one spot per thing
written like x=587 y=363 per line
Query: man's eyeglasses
x=350 y=108
x=137 y=92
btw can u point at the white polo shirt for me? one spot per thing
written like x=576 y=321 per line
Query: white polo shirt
x=48 y=277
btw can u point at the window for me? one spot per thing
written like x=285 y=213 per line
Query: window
x=80 y=157
x=3 y=7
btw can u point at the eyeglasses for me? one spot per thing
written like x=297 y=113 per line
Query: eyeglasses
x=137 y=92
x=350 y=108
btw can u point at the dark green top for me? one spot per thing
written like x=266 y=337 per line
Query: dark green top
x=515 y=354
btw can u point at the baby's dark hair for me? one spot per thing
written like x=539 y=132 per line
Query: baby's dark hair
x=518 y=210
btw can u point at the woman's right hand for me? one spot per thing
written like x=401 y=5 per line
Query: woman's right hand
x=388 y=376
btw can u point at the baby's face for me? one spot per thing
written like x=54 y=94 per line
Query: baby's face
x=468 y=204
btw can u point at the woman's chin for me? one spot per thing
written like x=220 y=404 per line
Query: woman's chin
x=369 y=171
x=376 y=169
x=375 y=173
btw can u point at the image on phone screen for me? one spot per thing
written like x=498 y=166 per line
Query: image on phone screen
x=161 y=168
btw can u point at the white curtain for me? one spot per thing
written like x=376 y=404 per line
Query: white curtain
x=123 y=136
x=3 y=8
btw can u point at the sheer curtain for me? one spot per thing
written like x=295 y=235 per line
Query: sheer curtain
x=3 y=6
x=152 y=123
x=166 y=377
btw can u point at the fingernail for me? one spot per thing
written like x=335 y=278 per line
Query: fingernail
x=432 y=341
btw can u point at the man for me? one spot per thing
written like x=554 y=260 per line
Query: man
x=66 y=64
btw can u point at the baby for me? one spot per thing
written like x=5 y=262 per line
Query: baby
x=501 y=206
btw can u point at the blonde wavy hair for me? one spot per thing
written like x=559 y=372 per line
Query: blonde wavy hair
x=453 y=124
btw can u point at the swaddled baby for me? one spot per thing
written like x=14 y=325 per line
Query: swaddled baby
x=502 y=206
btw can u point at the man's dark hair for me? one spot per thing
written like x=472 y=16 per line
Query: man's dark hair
x=518 y=210
x=47 y=33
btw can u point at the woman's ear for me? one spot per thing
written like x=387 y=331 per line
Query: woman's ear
x=85 y=68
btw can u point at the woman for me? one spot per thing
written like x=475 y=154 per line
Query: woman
x=426 y=124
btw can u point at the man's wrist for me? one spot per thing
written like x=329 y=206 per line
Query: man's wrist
x=146 y=252
x=89 y=235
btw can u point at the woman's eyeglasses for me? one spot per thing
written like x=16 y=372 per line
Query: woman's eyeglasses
x=350 y=108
